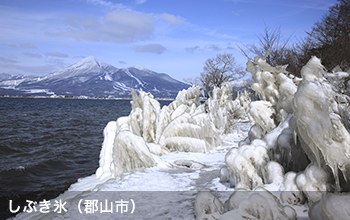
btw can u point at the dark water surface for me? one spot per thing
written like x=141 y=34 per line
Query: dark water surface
x=47 y=144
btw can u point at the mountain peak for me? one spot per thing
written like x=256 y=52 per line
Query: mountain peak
x=86 y=66
x=88 y=63
x=91 y=77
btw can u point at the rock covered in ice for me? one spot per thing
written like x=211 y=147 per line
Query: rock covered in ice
x=235 y=199
x=225 y=176
x=287 y=150
x=257 y=205
x=271 y=138
x=291 y=194
x=331 y=206
x=207 y=206
x=313 y=182
x=246 y=164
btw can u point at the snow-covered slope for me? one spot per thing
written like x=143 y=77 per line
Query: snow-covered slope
x=91 y=77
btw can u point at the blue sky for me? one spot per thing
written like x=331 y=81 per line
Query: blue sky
x=172 y=36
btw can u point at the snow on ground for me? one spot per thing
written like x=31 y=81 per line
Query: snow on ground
x=176 y=171
x=166 y=191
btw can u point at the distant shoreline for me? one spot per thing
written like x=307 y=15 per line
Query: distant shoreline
x=78 y=98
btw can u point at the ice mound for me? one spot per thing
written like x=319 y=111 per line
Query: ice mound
x=208 y=206
x=299 y=140
x=223 y=109
x=262 y=114
x=185 y=125
x=313 y=182
x=291 y=193
x=331 y=206
x=259 y=204
x=246 y=165
x=144 y=114
x=298 y=118
x=122 y=151
x=325 y=139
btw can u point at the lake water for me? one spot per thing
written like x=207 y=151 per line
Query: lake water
x=47 y=144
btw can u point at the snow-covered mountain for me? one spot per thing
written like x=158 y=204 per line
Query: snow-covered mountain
x=91 y=77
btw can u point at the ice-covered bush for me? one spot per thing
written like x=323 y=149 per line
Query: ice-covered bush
x=223 y=110
x=300 y=127
x=185 y=125
x=324 y=137
x=144 y=115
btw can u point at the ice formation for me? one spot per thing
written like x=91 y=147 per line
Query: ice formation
x=262 y=113
x=122 y=150
x=291 y=193
x=223 y=109
x=186 y=125
x=259 y=204
x=331 y=206
x=325 y=139
x=296 y=146
x=313 y=182
x=301 y=127
x=207 y=206
x=305 y=120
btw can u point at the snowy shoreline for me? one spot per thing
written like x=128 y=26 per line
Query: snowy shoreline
x=284 y=166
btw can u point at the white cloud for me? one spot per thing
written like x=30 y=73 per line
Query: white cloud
x=33 y=55
x=172 y=19
x=151 y=48
x=25 y=68
x=192 y=49
x=7 y=60
x=116 y=26
x=140 y=2
x=23 y=46
x=215 y=47
x=56 y=54
x=107 y=4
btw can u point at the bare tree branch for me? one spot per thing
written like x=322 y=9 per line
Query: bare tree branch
x=220 y=70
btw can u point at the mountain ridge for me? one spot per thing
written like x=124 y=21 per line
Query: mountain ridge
x=93 y=78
